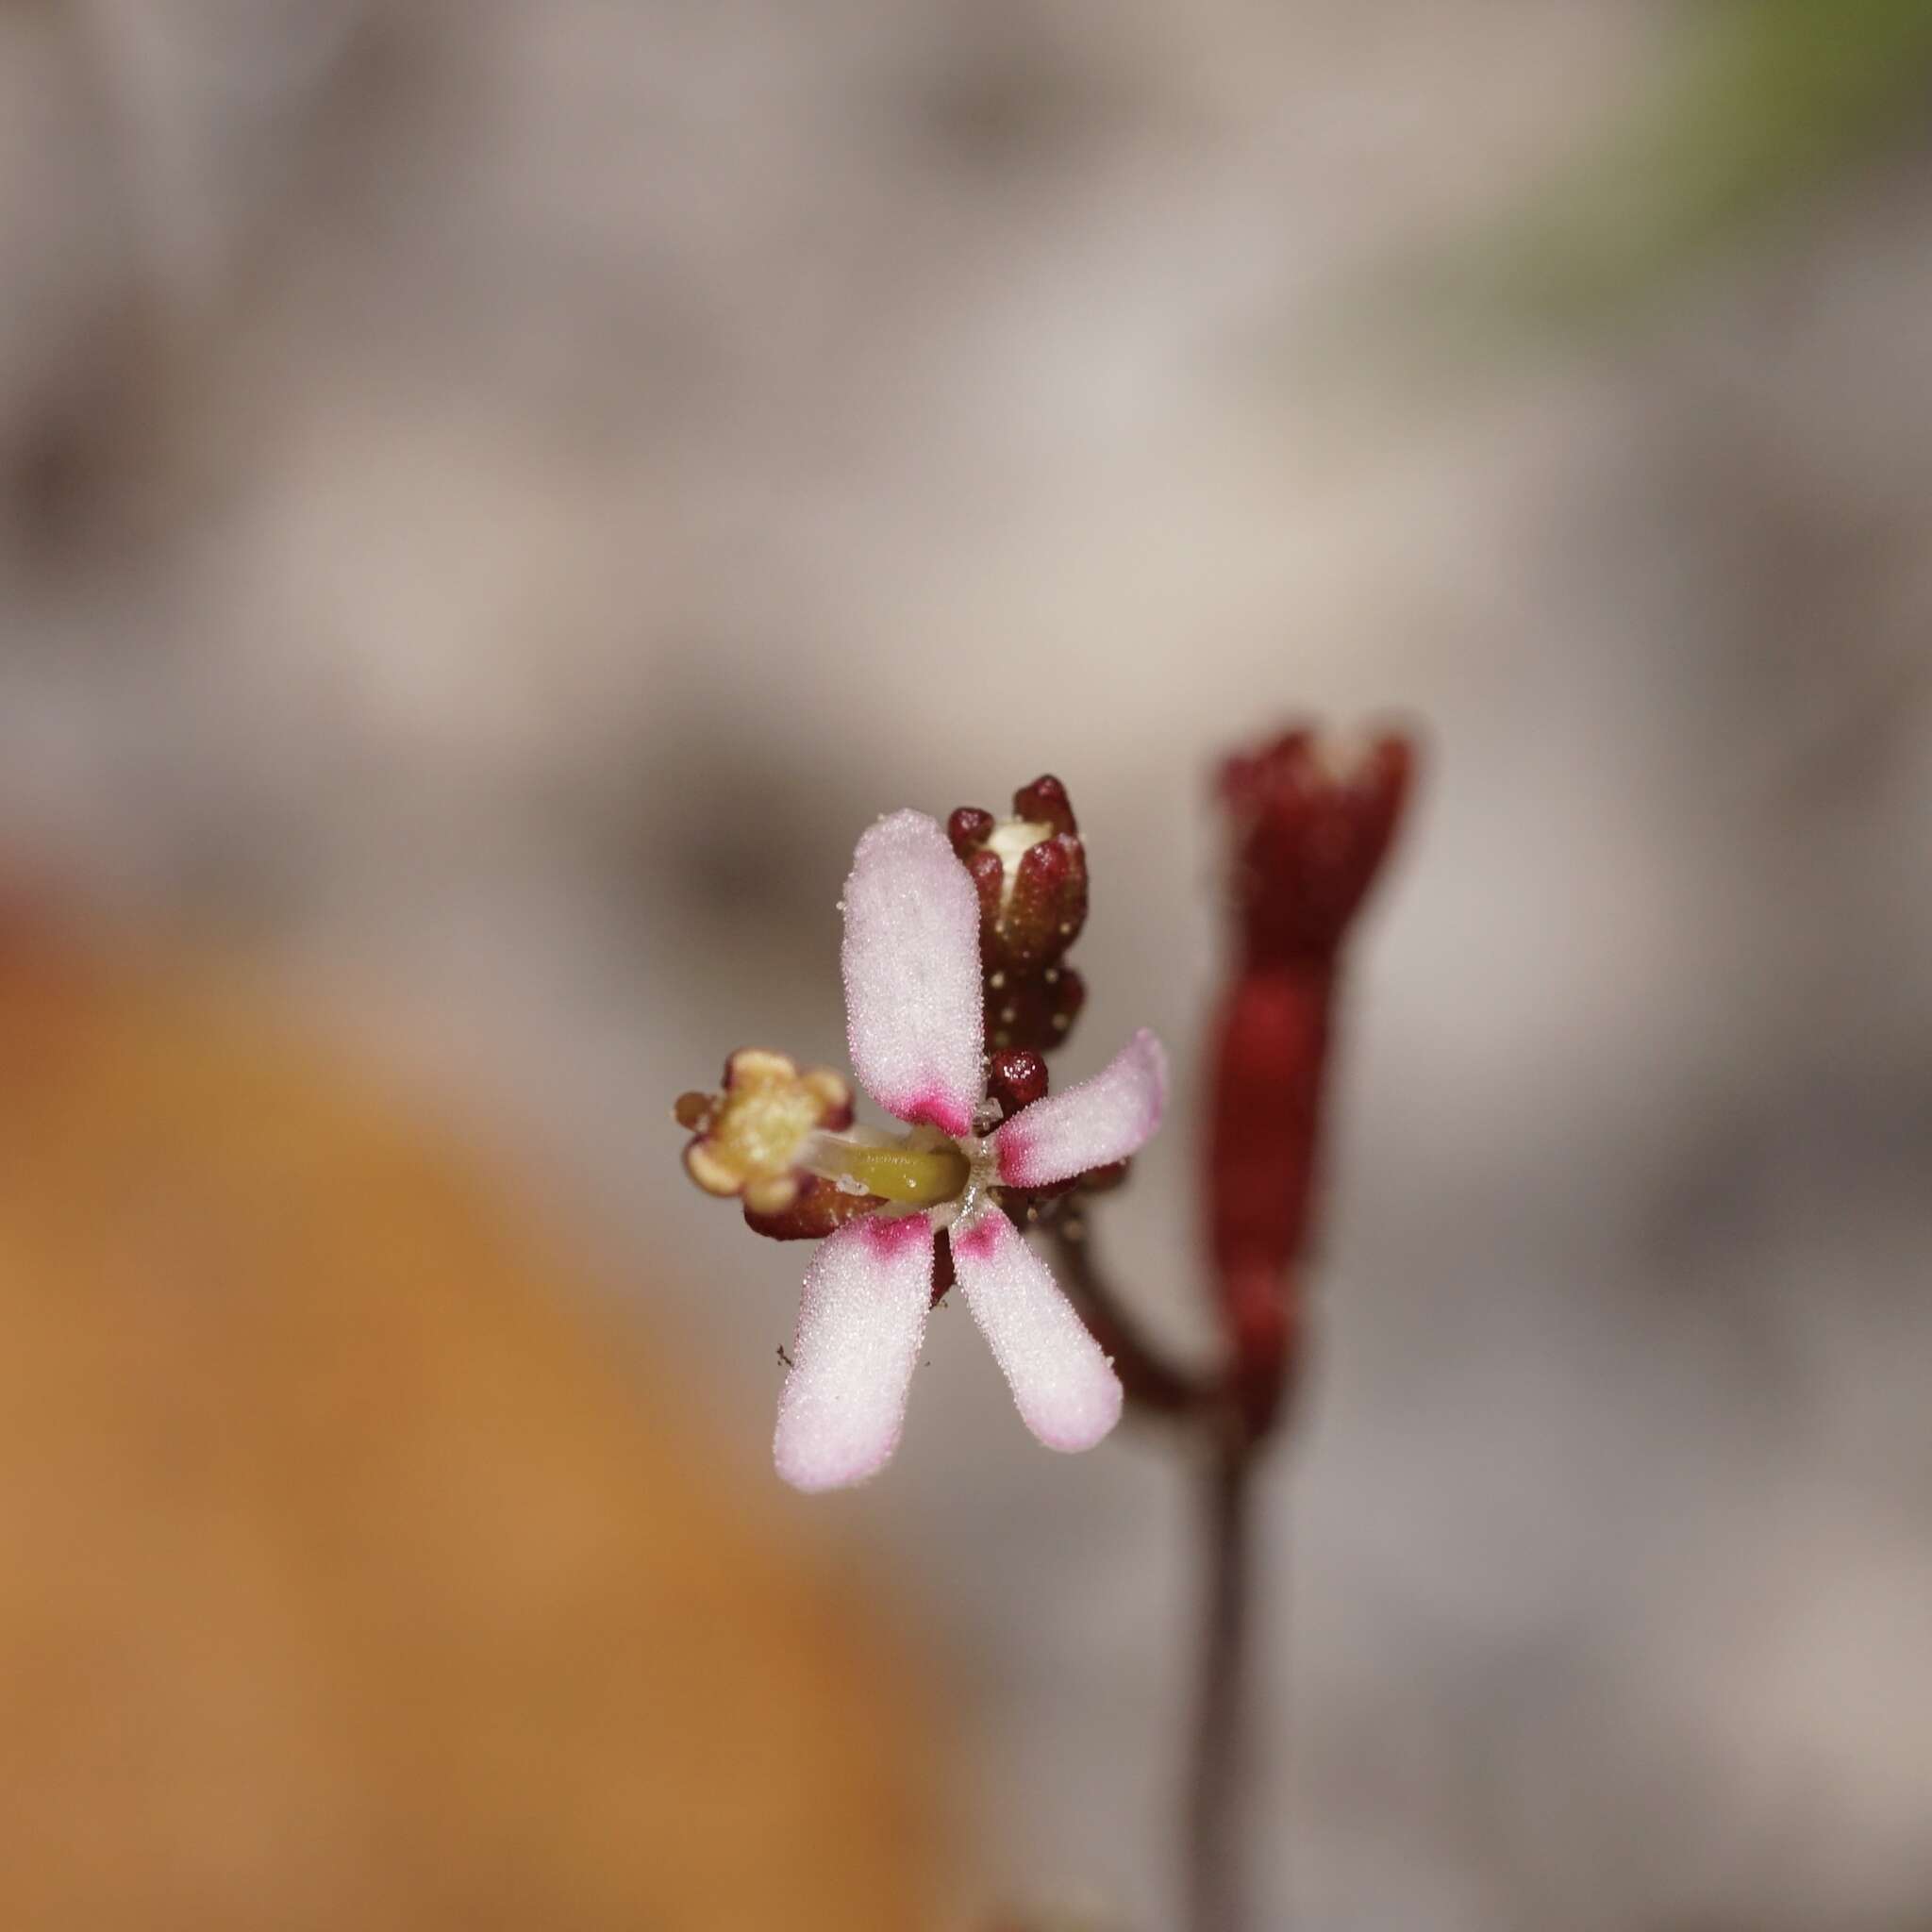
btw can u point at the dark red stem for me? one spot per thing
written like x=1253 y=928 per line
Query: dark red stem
x=1150 y=1380
x=1216 y=1875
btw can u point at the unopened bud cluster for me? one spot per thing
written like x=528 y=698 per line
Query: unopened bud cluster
x=1031 y=873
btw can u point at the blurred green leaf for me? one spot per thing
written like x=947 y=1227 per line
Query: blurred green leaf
x=1774 y=99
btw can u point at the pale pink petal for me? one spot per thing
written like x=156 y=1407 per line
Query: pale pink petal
x=912 y=961
x=860 y=1327
x=1067 y=1393
x=1101 y=1121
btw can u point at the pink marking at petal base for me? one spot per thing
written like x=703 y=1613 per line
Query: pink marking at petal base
x=913 y=1017
x=860 y=1324
x=1066 y=1390
x=936 y=1106
x=1102 y=1119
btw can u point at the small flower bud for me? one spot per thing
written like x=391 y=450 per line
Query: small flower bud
x=1030 y=875
x=1016 y=1076
x=1045 y=800
x=968 y=828
x=1030 y=872
x=1046 y=904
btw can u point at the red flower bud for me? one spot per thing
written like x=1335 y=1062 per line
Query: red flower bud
x=968 y=828
x=1046 y=904
x=1031 y=873
x=1045 y=802
x=1015 y=1077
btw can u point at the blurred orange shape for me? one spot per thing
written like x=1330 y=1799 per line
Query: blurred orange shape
x=358 y=1571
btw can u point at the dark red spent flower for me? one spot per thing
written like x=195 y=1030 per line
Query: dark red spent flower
x=1313 y=821
x=1311 y=826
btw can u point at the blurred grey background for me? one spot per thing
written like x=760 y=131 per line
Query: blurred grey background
x=494 y=497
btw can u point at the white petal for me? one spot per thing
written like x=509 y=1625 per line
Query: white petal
x=1066 y=1391
x=859 y=1327
x=912 y=961
x=1100 y=1120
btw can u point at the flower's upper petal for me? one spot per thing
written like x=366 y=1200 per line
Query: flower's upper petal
x=912 y=959
x=860 y=1327
x=1100 y=1120
x=1066 y=1389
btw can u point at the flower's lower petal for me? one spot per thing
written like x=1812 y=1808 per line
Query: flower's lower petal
x=913 y=1015
x=1101 y=1121
x=1067 y=1392
x=860 y=1323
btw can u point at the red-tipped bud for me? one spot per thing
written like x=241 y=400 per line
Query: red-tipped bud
x=1046 y=906
x=1031 y=873
x=968 y=828
x=1045 y=802
x=989 y=875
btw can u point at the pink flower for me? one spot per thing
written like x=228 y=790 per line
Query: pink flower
x=916 y=1030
